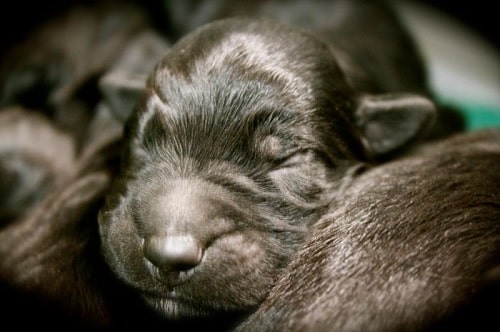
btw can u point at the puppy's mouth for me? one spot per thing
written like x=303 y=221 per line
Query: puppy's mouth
x=170 y=278
x=168 y=292
x=173 y=305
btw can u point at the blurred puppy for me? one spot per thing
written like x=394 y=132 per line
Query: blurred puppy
x=50 y=266
x=35 y=158
x=55 y=69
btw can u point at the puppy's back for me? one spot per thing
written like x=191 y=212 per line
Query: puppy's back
x=414 y=245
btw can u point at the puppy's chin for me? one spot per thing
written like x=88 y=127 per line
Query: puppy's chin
x=171 y=306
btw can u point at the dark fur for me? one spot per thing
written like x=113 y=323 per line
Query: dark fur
x=379 y=51
x=51 y=270
x=28 y=172
x=247 y=130
x=245 y=134
x=406 y=245
x=55 y=67
x=127 y=77
x=411 y=245
x=381 y=54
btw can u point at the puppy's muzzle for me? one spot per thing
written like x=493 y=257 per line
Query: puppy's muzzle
x=182 y=222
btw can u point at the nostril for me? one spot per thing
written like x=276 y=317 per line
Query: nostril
x=174 y=253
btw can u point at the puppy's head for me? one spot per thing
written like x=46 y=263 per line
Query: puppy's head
x=244 y=133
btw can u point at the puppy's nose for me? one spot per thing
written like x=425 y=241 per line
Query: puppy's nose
x=173 y=253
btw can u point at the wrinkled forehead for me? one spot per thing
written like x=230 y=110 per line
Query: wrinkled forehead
x=240 y=125
x=204 y=112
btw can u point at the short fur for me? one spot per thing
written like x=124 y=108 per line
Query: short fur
x=28 y=172
x=51 y=269
x=373 y=43
x=54 y=69
x=247 y=130
x=411 y=245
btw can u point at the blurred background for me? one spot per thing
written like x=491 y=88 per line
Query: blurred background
x=460 y=40
x=475 y=15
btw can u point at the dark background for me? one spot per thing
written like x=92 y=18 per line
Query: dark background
x=17 y=17
x=481 y=16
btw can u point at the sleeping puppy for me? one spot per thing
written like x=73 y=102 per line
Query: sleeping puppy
x=246 y=131
x=411 y=245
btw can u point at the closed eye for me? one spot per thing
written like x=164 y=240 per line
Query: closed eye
x=302 y=158
x=302 y=178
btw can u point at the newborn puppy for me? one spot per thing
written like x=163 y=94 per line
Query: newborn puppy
x=51 y=270
x=245 y=133
x=411 y=245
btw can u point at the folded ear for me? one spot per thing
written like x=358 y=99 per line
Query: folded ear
x=121 y=91
x=123 y=84
x=391 y=122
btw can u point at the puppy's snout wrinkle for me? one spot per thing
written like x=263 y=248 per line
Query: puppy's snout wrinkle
x=173 y=253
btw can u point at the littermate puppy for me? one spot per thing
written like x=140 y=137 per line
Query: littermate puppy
x=410 y=245
x=50 y=269
x=55 y=68
x=247 y=130
x=36 y=157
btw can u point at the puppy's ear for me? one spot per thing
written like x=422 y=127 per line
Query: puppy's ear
x=391 y=122
x=121 y=91
x=124 y=83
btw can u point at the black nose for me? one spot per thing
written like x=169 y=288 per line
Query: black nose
x=173 y=253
